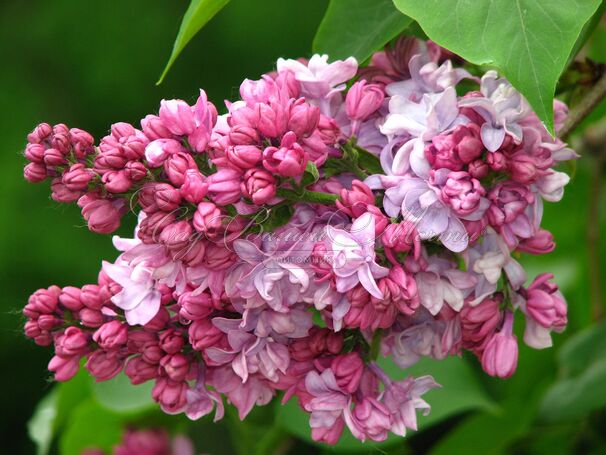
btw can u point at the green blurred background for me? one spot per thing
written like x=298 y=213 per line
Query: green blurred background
x=91 y=63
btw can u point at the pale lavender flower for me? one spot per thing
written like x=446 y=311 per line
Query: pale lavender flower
x=403 y=399
x=551 y=185
x=417 y=201
x=502 y=107
x=354 y=256
x=249 y=354
x=201 y=401
x=265 y=322
x=421 y=336
x=255 y=391
x=276 y=279
x=488 y=259
x=545 y=309
x=432 y=115
x=203 y=278
x=321 y=81
x=329 y=402
x=426 y=77
x=370 y=419
x=139 y=297
x=441 y=282
x=324 y=297
x=420 y=122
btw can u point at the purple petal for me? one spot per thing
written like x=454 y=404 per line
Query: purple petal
x=145 y=311
x=368 y=281
x=492 y=138
x=455 y=237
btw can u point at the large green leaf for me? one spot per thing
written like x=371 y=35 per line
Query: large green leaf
x=358 y=28
x=91 y=426
x=583 y=367
x=528 y=40
x=494 y=432
x=119 y=395
x=460 y=392
x=55 y=408
x=486 y=433
x=117 y=398
x=583 y=349
x=588 y=31
x=596 y=48
x=570 y=399
x=70 y=394
x=40 y=426
x=197 y=16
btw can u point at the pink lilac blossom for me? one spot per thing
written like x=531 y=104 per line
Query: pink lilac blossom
x=148 y=441
x=331 y=215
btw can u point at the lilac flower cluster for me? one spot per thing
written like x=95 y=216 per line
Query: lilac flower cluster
x=333 y=214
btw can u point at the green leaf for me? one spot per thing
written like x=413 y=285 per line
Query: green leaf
x=529 y=41
x=278 y=216
x=258 y=434
x=583 y=349
x=120 y=395
x=40 y=426
x=596 y=48
x=358 y=28
x=70 y=394
x=311 y=174
x=55 y=408
x=486 y=433
x=583 y=368
x=587 y=31
x=571 y=399
x=91 y=426
x=493 y=432
x=197 y=16
x=369 y=162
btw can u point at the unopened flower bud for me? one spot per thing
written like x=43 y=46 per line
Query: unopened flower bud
x=194 y=186
x=104 y=365
x=64 y=368
x=363 y=100
x=111 y=335
x=348 y=369
x=40 y=133
x=154 y=128
x=259 y=186
x=116 y=181
x=77 y=177
x=289 y=160
x=177 y=116
x=500 y=356
x=35 y=172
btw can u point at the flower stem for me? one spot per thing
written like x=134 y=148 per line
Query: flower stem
x=314 y=197
x=593 y=144
x=375 y=344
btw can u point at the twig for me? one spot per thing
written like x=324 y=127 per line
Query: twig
x=577 y=114
x=593 y=238
x=595 y=143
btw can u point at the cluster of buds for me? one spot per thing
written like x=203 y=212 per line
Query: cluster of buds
x=333 y=215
